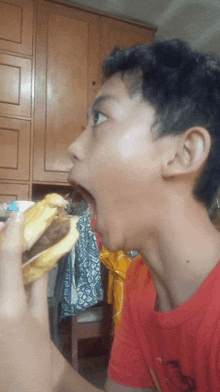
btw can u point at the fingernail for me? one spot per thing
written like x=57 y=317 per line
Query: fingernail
x=2 y=224
x=18 y=216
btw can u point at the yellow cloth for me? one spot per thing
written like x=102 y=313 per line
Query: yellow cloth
x=117 y=264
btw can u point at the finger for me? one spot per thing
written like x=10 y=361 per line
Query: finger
x=2 y=229
x=2 y=225
x=11 y=282
x=38 y=299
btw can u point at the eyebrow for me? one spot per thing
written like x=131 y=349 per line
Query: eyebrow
x=102 y=98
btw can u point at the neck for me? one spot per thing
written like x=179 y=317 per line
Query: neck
x=180 y=254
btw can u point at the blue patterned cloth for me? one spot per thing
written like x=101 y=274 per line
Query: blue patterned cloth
x=82 y=281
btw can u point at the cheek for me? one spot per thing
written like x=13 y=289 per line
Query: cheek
x=131 y=146
x=124 y=168
x=109 y=173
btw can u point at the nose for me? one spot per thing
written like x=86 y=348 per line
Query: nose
x=76 y=150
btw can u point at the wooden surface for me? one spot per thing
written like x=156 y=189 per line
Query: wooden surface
x=14 y=149
x=12 y=191
x=15 y=81
x=66 y=82
x=16 y=26
x=131 y=22
x=98 y=329
x=116 y=33
x=16 y=97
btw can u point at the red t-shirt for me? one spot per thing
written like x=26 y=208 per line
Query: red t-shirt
x=180 y=348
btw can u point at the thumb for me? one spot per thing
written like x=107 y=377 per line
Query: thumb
x=11 y=281
x=38 y=300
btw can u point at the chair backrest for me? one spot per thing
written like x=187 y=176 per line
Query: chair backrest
x=56 y=280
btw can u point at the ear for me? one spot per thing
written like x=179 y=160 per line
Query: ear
x=188 y=153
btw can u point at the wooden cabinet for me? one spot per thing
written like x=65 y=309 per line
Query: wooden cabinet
x=15 y=82
x=16 y=26
x=50 y=73
x=67 y=78
x=14 y=149
x=115 y=33
x=16 y=64
x=10 y=192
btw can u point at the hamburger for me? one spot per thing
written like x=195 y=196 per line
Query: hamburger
x=48 y=233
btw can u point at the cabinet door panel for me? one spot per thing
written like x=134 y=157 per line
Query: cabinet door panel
x=67 y=74
x=118 y=33
x=14 y=149
x=15 y=82
x=12 y=192
x=67 y=69
x=16 y=26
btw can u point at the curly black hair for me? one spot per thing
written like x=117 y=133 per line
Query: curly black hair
x=183 y=86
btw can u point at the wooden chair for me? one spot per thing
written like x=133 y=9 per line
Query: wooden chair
x=55 y=298
x=94 y=322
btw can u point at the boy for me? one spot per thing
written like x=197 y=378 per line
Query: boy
x=148 y=165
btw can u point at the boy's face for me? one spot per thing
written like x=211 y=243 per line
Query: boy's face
x=118 y=163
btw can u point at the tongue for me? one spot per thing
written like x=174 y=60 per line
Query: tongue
x=93 y=224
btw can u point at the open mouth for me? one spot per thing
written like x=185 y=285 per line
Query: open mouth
x=89 y=199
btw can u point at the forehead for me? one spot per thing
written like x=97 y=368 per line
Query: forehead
x=115 y=86
x=117 y=91
x=123 y=104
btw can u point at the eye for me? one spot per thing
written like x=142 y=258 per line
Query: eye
x=98 y=117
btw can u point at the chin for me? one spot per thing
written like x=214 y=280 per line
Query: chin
x=110 y=244
x=110 y=248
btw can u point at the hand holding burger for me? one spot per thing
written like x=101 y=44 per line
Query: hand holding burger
x=48 y=234
x=26 y=351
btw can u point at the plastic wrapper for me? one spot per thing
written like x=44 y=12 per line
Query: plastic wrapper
x=117 y=264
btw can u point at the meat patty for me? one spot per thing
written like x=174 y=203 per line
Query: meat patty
x=58 y=229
